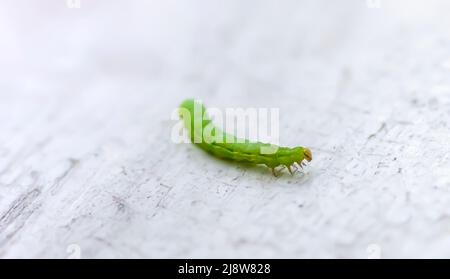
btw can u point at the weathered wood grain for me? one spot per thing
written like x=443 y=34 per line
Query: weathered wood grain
x=88 y=168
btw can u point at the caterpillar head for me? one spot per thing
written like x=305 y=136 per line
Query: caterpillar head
x=300 y=155
x=307 y=153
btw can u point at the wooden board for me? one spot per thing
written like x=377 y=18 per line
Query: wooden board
x=88 y=168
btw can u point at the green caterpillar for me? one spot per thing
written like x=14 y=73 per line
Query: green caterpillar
x=226 y=146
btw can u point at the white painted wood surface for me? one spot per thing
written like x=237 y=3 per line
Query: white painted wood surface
x=88 y=168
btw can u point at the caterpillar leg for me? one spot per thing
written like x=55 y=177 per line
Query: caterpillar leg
x=274 y=172
x=294 y=167
x=290 y=170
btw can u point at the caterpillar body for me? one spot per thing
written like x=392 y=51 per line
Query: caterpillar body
x=235 y=149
